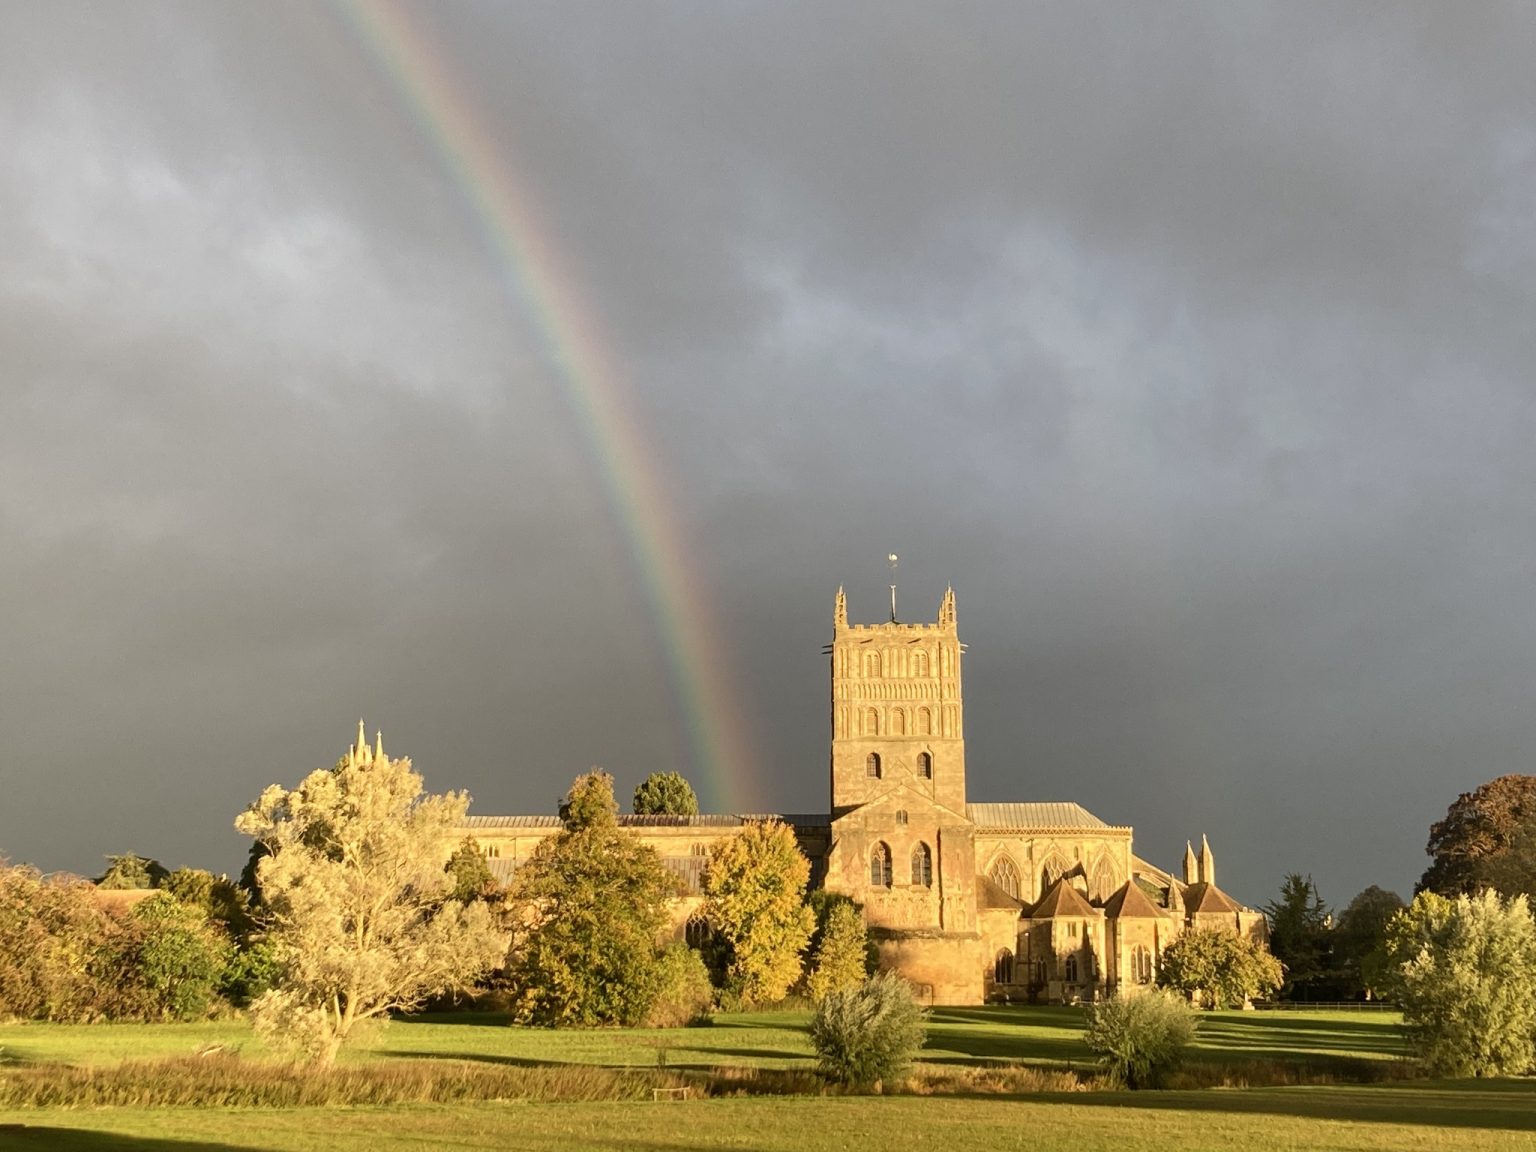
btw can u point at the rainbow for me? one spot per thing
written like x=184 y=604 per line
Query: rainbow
x=721 y=765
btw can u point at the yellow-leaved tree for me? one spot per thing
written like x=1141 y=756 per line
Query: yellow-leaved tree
x=356 y=901
x=754 y=901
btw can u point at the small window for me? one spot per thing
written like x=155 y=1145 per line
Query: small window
x=925 y=765
x=901 y=817
x=880 y=866
x=872 y=765
x=1141 y=964
x=922 y=866
x=696 y=932
x=1071 y=969
x=1002 y=970
x=700 y=850
x=1072 y=930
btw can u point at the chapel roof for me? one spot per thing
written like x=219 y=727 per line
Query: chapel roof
x=991 y=894
x=1033 y=815
x=627 y=820
x=1062 y=899
x=1207 y=898
x=1130 y=903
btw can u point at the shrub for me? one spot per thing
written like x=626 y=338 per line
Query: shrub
x=1141 y=1039
x=684 y=994
x=180 y=958
x=870 y=1034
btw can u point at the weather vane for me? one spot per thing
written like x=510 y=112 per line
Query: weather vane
x=892 y=560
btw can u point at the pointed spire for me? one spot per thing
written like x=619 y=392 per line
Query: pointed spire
x=947 y=609
x=840 y=610
x=360 y=749
x=1191 y=866
x=1207 y=862
x=378 y=751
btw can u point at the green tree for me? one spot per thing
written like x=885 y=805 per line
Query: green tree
x=1140 y=1039
x=354 y=900
x=180 y=957
x=130 y=870
x=754 y=901
x=472 y=878
x=588 y=904
x=684 y=994
x=665 y=794
x=1469 y=990
x=839 y=957
x=1480 y=832
x=1219 y=968
x=1359 y=937
x=868 y=1034
x=1301 y=938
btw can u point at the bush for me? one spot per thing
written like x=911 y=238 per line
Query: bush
x=1141 y=1039
x=684 y=994
x=180 y=958
x=868 y=1035
x=839 y=950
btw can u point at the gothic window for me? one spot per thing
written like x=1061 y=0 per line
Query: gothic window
x=1103 y=886
x=925 y=765
x=1005 y=874
x=901 y=817
x=871 y=722
x=1071 y=970
x=1051 y=873
x=924 y=722
x=1141 y=964
x=1002 y=970
x=922 y=866
x=899 y=722
x=1039 y=973
x=872 y=765
x=696 y=932
x=919 y=663
x=699 y=850
x=880 y=867
x=871 y=664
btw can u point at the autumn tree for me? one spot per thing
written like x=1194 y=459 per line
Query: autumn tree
x=589 y=904
x=1466 y=978
x=839 y=954
x=665 y=794
x=1219 y=967
x=354 y=899
x=754 y=902
x=130 y=870
x=1487 y=839
x=471 y=875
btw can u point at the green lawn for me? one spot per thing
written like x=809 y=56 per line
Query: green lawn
x=1401 y=1115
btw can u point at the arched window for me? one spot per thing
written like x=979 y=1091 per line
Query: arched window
x=919 y=663
x=872 y=765
x=1051 y=872
x=871 y=664
x=1002 y=970
x=1103 y=886
x=924 y=722
x=925 y=765
x=1071 y=969
x=871 y=722
x=696 y=932
x=880 y=866
x=922 y=866
x=898 y=722
x=1005 y=874
x=1141 y=964
x=699 y=850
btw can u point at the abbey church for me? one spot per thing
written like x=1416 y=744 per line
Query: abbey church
x=969 y=901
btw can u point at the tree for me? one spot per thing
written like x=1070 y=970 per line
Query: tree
x=1140 y=1039
x=354 y=904
x=180 y=957
x=130 y=870
x=1359 y=937
x=868 y=1034
x=839 y=957
x=754 y=901
x=1300 y=936
x=1219 y=967
x=1480 y=829
x=589 y=904
x=1467 y=983
x=472 y=879
x=665 y=794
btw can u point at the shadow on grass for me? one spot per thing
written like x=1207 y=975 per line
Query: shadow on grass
x=458 y=1019
x=1490 y=1104
x=29 y=1136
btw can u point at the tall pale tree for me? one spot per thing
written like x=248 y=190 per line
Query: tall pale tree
x=356 y=899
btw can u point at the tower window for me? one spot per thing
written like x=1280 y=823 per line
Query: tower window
x=922 y=866
x=880 y=866
x=925 y=765
x=872 y=765
x=901 y=817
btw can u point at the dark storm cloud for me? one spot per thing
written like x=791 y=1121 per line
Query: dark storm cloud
x=1192 y=346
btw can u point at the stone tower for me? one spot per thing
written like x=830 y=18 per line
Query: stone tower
x=896 y=709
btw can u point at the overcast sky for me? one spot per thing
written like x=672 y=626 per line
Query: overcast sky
x=1192 y=344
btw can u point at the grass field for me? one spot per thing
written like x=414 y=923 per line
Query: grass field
x=1358 y=1117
